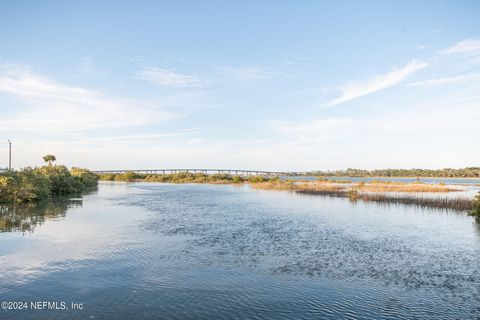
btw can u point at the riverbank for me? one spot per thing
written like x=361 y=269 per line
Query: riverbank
x=30 y=185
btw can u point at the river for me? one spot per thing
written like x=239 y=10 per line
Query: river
x=164 y=251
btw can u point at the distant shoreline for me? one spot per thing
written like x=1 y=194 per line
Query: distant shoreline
x=403 y=177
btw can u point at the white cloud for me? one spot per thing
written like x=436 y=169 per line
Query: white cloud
x=357 y=89
x=51 y=106
x=169 y=78
x=449 y=80
x=463 y=47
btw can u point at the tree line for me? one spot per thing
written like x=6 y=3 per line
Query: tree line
x=469 y=172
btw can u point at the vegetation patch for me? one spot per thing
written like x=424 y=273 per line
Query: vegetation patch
x=469 y=172
x=475 y=210
x=374 y=186
x=184 y=177
x=404 y=187
x=389 y=193
x=36 y=184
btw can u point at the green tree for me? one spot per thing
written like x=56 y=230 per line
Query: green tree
x=49 y=158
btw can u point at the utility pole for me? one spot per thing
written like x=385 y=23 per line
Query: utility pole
x=9 y=155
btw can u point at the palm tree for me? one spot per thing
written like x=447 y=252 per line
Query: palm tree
x=49 y=158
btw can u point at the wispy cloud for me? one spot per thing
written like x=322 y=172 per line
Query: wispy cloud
x=168 y=78
x=421 y=47
x=143 y=137
x=313 y=132
x=463 y=47
x=437 y=30
x=357 y=89
x=449 y=80
x=51 y=106
x=247 y=73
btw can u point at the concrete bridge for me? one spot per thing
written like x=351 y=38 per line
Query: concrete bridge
x=239 y=172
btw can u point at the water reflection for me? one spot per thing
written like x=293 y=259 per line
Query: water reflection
x=150 y=251
x=27 y=217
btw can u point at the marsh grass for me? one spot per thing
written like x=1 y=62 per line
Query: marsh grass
x=374 y=186
x=378 y=192
x=458 y=203
x=275 y=185
x=403 y=187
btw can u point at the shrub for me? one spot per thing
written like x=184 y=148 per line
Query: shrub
x=8 y=187
x=31 y=185
x=25 y=185
x=129 y=176
x=475 y=211
x=86 y=177
x=219 y=177
x=257 y=179
x=60 y=179
x=237 y=179
x=107 y=176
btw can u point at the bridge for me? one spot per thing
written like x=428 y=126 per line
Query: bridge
x=238 y=172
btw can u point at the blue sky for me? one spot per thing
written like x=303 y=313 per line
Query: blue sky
x=299 y=85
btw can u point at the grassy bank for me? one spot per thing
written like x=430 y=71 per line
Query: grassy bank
x=184 y=177
x=36 y=184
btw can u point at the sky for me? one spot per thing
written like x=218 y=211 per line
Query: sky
x=266 y=85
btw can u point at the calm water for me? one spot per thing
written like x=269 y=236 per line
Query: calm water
x=159 y=251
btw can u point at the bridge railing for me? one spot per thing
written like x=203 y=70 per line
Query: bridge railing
x=205 y=171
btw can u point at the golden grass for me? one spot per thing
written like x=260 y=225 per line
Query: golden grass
x=326 y=186
x=321 y=187
x=376 y=192
x=275 y=185
x=458 y=203
x=403 y=187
